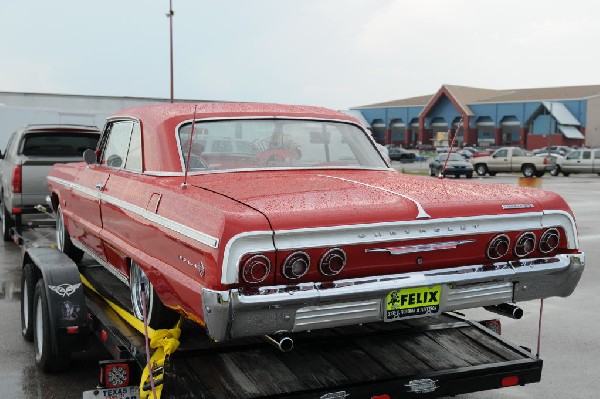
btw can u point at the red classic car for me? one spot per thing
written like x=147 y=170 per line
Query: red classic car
x=258 y=219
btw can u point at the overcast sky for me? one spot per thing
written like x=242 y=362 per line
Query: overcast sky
x=333 y=53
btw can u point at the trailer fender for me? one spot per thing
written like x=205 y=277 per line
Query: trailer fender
x=69 y=327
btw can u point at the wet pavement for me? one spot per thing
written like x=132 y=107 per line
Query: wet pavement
x=570 y=344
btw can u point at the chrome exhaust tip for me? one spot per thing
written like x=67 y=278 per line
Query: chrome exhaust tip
x=506 y=309
x=283 y=342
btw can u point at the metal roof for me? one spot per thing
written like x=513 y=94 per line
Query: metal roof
x=570 y=132
x=561 y=113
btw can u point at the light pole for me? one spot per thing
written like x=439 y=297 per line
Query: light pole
x=170 y=16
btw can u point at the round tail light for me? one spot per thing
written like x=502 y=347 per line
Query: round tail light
x=498 y=247
x=296 y=265
x=549 y=241
x=256 y=269
x=525 y=244
x=332 y=262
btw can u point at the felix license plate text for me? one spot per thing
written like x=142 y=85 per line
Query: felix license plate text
x=413 y=302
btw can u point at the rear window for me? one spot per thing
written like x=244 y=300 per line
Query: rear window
x=58 y=144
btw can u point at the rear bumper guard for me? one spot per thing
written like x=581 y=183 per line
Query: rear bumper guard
x=306 y=306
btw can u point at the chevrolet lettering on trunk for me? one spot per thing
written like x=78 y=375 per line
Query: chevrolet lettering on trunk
x=261 y=219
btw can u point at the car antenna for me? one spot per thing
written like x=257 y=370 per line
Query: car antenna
x=187 y=162
x=460 y=122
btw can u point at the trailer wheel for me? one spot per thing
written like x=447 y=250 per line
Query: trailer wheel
x=6 y=220
x=45 y=357
x=27 y=291
x=63 y=240
x=157 y=314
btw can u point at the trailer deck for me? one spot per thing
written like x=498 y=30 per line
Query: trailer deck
x=429 y=357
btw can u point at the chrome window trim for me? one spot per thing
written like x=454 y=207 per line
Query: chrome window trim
x=177 y=227
x=241 y=170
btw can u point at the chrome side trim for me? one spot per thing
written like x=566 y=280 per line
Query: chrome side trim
x=113 y=270
x=193 y=234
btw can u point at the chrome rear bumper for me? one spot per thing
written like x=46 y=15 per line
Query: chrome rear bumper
x=307 y=306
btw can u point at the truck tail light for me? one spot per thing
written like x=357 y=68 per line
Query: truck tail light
x=510 y=381
x=256 y=269
x=17 y=185
x=114 y=375
x=546 y=160
x=296 y=265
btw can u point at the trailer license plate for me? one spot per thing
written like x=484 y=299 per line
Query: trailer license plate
x=416 y=301
x=130 y=392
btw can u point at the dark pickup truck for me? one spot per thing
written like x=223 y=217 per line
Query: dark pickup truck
x=25 y=163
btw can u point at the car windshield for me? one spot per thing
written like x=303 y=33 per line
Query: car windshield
x=276 y=143
x=58 y=144
x=453 y=157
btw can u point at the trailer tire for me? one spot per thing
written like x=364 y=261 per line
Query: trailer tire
x=28 y=282
x=63 y=239
x=6 y=221
x=45 y=358
x=157 y=314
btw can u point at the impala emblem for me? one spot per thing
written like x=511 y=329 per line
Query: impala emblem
x=198 y=266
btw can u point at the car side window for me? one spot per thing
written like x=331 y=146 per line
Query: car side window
x=134 y=155
x=574 y=155
x=8 y=151
x=596 y=154
x=501 y=153
x=586 y=155
x=117 y=144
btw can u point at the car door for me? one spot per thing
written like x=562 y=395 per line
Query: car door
x=585 y=164
x=500 y=161
x=571 y=162
x=596 y=162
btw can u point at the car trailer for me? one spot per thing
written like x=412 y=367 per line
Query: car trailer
x=63 y=303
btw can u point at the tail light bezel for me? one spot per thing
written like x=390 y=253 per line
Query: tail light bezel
x=524 y=236
x=546 y=235
x=493 y=246
x=252 y=262
x=288 y=263
x=326 y=259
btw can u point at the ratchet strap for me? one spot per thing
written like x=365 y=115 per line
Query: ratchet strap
x=164 y=343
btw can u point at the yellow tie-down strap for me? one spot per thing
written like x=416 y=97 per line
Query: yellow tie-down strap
x=165 y=342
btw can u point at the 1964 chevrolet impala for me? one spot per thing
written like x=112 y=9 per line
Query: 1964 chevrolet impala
x=257 y=219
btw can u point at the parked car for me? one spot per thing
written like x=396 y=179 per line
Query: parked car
x=579 y=161
x=319 y=233
x=29 y=154
x=400 y=154
x=556 y=149
x=513 y=159
x=456 y=166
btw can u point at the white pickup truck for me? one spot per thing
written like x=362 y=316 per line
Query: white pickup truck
x=579 y=161
x=513 y=159
x=24 y=165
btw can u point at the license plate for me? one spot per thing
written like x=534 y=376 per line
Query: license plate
x=416 y=301
x=113 y=393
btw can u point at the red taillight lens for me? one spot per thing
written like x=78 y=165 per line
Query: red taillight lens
x=549 y=241
x=256 y=269
x=498 y=247
x=332 y=262
x=510 y=381
x=296 y=265
x=17 y=180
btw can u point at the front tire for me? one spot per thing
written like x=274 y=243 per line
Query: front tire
x=555 y=171
x=157 y=314
x=481 y=169
x=63 y=239
x=469 y=175
x=28 y=282
x=45 y=357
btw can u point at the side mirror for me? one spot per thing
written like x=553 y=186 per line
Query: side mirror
x=89 y=156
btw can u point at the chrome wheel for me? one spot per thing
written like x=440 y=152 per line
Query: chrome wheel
x=137 y=278
x=60 y=230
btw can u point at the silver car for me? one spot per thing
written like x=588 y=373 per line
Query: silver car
x=25 y=163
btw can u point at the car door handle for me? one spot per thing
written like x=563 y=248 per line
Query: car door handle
x=99 y=186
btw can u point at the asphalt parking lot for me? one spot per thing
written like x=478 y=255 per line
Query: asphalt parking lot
x=570 y=328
